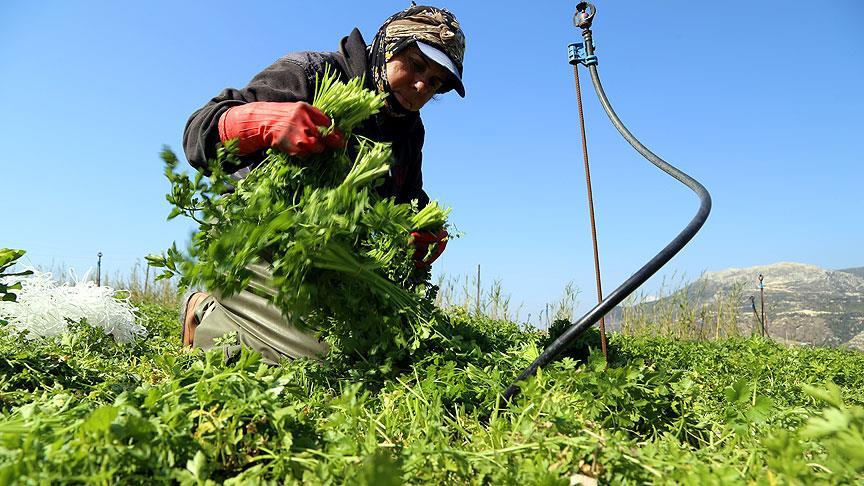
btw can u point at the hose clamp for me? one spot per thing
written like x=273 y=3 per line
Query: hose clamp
x=578 y=55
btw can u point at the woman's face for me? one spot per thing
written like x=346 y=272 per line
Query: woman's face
x=414 y=78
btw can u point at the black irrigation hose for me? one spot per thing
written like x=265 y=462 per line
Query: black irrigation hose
x=650 y=268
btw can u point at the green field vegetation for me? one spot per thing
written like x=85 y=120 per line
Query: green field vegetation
x=410 y=389
x=83 y=409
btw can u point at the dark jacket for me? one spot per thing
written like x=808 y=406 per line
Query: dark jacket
x=292 y=78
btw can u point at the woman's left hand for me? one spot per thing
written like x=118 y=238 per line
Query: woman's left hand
x=421 y=241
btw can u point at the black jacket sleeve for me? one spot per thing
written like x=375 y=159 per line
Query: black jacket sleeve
x=291 y=78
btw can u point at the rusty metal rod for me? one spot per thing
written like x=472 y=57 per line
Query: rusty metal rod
x=591 y=211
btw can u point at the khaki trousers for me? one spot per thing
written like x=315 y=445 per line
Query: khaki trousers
x=258 y=323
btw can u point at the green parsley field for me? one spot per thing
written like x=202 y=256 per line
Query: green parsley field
x=83 y=409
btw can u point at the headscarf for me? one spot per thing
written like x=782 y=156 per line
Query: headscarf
x=435 y=26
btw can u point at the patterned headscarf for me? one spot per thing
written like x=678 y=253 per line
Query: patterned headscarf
x=434 y=26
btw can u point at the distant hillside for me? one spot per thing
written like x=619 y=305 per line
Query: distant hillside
x=803 y=303
x=857 y=271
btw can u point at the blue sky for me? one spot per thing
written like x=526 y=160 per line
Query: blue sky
x=762 y=105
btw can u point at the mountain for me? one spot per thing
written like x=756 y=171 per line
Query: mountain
x=803 y=303
x=857 y=271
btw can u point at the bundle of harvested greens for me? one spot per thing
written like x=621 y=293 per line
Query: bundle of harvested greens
x=339 y=253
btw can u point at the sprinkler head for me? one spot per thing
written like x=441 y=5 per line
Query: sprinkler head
x=582 y=18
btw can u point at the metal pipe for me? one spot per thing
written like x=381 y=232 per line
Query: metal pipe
x=591 y=209
x=99 y=269
x=653 y=265
x=762 y=301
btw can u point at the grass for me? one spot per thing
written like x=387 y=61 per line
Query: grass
x=465 y=294
x=679 y=309
x=138 y=283
x=698 y=410
x=666 y=411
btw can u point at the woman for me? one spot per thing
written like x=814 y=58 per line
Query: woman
x=416 y=53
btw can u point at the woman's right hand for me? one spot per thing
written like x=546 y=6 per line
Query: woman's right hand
x=291 y=127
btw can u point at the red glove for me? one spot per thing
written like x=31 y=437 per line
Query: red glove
x=421 y=241
x=291 y=127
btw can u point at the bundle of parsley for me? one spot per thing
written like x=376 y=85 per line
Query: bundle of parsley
x=339 y=253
